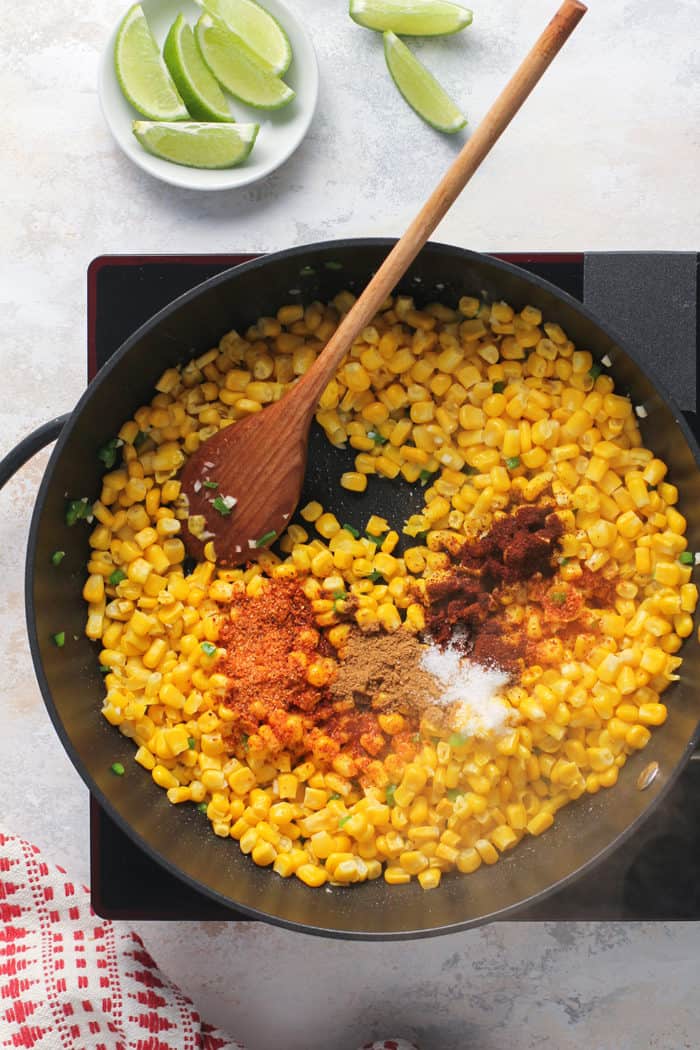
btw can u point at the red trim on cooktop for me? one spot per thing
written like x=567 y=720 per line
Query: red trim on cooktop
x=539 y=257
x=103 y=261
x=233 y=260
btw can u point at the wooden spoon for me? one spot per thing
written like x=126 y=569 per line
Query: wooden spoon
x=244 y=482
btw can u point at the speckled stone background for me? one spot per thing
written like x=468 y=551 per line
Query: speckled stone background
x=606 y=155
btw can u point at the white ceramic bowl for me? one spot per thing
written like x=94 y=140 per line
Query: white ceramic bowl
x=281 y=130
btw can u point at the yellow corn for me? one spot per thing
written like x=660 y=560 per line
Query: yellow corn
x=444 y=397
x=353 y=481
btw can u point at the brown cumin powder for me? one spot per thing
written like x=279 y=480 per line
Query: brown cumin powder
x=383 y=671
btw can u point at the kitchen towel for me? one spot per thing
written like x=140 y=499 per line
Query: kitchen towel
x=72 y=981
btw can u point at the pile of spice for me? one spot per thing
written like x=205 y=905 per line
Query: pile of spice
x=385 y=672
x=471 y=694
x=460 y=676
x=516 y=560
x=283 y=692
x=398 y=673
x=278 y=664
x=288 y=692
x=463 y=606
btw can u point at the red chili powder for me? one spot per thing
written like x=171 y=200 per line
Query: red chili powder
x=561 y=603
x=462 y=607
x=271 y=642
x=514 y=548
x=599 y=591
x=495 y=645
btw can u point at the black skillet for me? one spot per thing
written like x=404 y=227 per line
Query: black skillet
x=178 y=837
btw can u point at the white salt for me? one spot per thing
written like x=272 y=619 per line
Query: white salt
x=473 y=691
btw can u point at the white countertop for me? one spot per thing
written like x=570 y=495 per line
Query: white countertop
x=605 y=156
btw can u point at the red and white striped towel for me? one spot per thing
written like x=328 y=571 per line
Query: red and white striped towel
x=72 y=981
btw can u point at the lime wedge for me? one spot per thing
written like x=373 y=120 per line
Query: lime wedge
x=420 y=88
x=257 y=29
x=411 y=17
x=236 y=68
x=197 y=145
x=203 y=96
x=142 y=74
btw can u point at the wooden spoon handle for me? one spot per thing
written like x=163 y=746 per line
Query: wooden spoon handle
x=433 y=211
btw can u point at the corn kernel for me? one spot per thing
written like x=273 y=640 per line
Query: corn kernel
x=353 y=481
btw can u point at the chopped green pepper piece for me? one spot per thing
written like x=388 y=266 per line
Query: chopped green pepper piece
x=377 y=438
x=564 y=561
x=595 y=370
x=108 y=452
x=210 y=484
x=266 y=538
x=57 y=557
x=339 y=595
x=117 y=576
x=59 y=640
x=104 y=670
x=374 y=539
x=207 y=647
x=686 y=558
x=558 y=597
x=456 y=740
x=467 y=469
x=334 y=797
x=203 y=807
x=454 y=793
x=426 y=475
x=390 y=800
x=513 y=462
x=220 y=504
x=499 y=387
x=244 y=740
x=343 y=821
x=140 y=438
x=78 y=510
x=352 y=530
x=191 y=743
x=421 y=536
x=376 y=577
x=118 y=769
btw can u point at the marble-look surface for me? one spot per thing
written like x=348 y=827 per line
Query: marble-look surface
x=606 y=155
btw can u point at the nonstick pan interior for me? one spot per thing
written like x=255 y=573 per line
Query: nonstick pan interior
x=178 y=837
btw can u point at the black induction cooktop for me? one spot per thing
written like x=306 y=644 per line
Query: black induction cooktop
x=654 y=298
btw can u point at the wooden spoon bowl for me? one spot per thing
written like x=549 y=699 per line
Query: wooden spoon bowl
x=259 y=462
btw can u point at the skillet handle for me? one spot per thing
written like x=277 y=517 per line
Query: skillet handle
x=29 y=446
